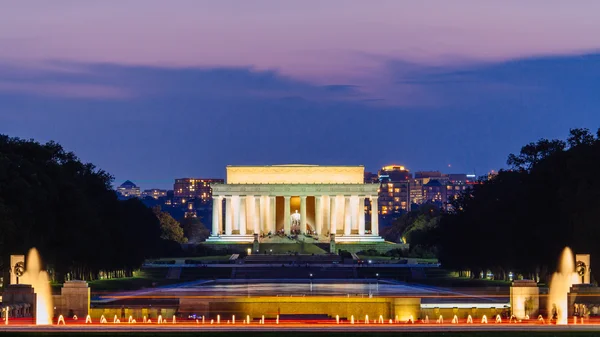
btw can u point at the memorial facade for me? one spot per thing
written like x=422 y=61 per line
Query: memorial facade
x=323 y=202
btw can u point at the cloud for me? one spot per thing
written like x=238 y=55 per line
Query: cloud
x=109 y=81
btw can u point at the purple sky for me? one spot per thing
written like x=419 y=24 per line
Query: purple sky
x=150 y=90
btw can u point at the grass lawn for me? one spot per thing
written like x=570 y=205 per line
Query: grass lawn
x=392 y=259
x=311 y=334
x=216 y=258
x=195 y=258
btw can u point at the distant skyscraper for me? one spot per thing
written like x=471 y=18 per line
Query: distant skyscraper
x=154 y=193
x=185 y=189
x=394 y=190
x=129 y=190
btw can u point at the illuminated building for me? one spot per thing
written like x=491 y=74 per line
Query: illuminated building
x=129 y=190
x=326 y=202
x=394 y=190
x=199 y=189
x=154 y=193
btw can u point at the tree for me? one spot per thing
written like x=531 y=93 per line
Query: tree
x=194 y=230
x=170 y=228
x=521 y=220
x=67 y=209
x=579 y=137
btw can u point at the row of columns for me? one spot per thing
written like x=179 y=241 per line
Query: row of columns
x=346 y=212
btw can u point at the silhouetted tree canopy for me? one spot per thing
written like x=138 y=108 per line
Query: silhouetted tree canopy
x=194 y=230
x=170 y=228
x=49 y=199
x=521 y=219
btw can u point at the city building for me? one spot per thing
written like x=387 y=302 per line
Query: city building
x=154 y=193
x=394 y=190
x=199 y=189
x=324 y=202
x=128 y=190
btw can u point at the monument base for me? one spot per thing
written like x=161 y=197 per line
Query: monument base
x=231 y=239
x=355 y=238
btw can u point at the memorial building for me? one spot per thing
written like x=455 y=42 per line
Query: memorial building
x=325 y=203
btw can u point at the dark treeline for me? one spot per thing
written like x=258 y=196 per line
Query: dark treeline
x=522 y=218
x=49 y=199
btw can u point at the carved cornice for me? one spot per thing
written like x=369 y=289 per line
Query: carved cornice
x=295 y=174
x=295 y=189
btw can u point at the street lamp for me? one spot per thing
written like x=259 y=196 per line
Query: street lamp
x=311 y=284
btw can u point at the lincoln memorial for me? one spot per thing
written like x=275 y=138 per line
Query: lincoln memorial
x=281 y=201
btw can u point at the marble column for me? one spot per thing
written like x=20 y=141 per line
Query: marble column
x=374 y=216
x=333 y=213
x=361 y=215
x=318 y=214
x=256 y=214
x=272 y=219
x=303 y=221
x=326 y=214
x=235 y=206
x=263 y=216
x=217 y=213
x=347 y=215
x=286 y=215
x=242 y=215
x=228 y=216
x=354 y=200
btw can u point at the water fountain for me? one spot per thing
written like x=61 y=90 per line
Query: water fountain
x=560 y=283
x=38 y=279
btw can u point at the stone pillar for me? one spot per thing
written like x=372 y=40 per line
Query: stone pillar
x=286 y=215
x=303 y=221
x=524 y=298
x=216 y=211
x=235 y=208
x=256 y=214
x=347 y=216
x=273 y=219
x=354 y=200
x=263 y=214
x=75 y=297
x=325 y=216
x=228 y=216
x=333 y=210
x=374 y=215
x=361 y=215
x=14 y=260
x=242 y=212
x=582 y=261
x=318 y=214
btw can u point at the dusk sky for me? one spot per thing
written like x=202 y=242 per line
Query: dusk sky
x=156 y=90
